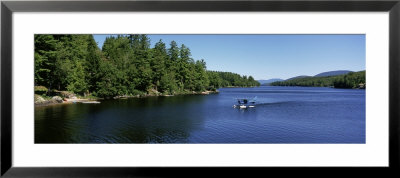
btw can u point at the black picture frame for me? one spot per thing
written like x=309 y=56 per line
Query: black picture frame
x=8 y=7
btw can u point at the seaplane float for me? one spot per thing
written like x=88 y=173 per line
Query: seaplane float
x=244 y=103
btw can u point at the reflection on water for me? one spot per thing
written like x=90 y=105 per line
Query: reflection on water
x=282 y=115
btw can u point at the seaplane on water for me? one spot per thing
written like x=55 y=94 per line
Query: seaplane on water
x=244 y=103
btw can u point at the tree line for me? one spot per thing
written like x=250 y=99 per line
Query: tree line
x=126 y=65
x=350 y=80
x=228 y=79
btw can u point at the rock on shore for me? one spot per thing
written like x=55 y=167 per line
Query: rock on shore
x=57 y=99
x=40 y=101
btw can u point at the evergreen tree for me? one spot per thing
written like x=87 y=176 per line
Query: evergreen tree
x=45 y=59
x=107 y=84
x=126 y=65
x=158 y=65
x=76 y=79
x=92 y=63
x=173 y=53
x=184 y=65
x=143 y=55
x=201 y=78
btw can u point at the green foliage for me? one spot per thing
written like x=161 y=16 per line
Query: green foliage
x=107 y=86
x=126 y=65
x=229 y=79
x=350 y=80
x=158 y=63
x=45 y=58
x=40 y=90
x=168 y=83
x=137 y=92
x=92 y=63
x=76 y=79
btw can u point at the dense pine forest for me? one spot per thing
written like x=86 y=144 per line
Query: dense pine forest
x=350 y=80
x=125 y=66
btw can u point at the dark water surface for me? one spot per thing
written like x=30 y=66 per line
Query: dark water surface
x=282 y=115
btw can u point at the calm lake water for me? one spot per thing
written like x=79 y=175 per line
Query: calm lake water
x=281 y=115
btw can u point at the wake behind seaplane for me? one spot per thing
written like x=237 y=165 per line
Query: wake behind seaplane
x=244 y=103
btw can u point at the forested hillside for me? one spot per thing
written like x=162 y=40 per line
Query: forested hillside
x=126 y=65
x=350 y=80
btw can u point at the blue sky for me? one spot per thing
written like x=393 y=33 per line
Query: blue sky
x=272 y=56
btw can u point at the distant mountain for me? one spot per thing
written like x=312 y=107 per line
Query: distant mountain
x=265 y=82
x=301 y=76
x=333 y=73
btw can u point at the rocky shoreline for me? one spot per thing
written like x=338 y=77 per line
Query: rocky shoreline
x=70 y=98
x=40 y=101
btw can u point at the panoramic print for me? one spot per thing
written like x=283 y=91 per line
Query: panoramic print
x=199 y=88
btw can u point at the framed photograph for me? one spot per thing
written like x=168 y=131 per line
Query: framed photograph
x=159 y=88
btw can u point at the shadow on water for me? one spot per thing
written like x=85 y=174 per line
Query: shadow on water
x=135 y=120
